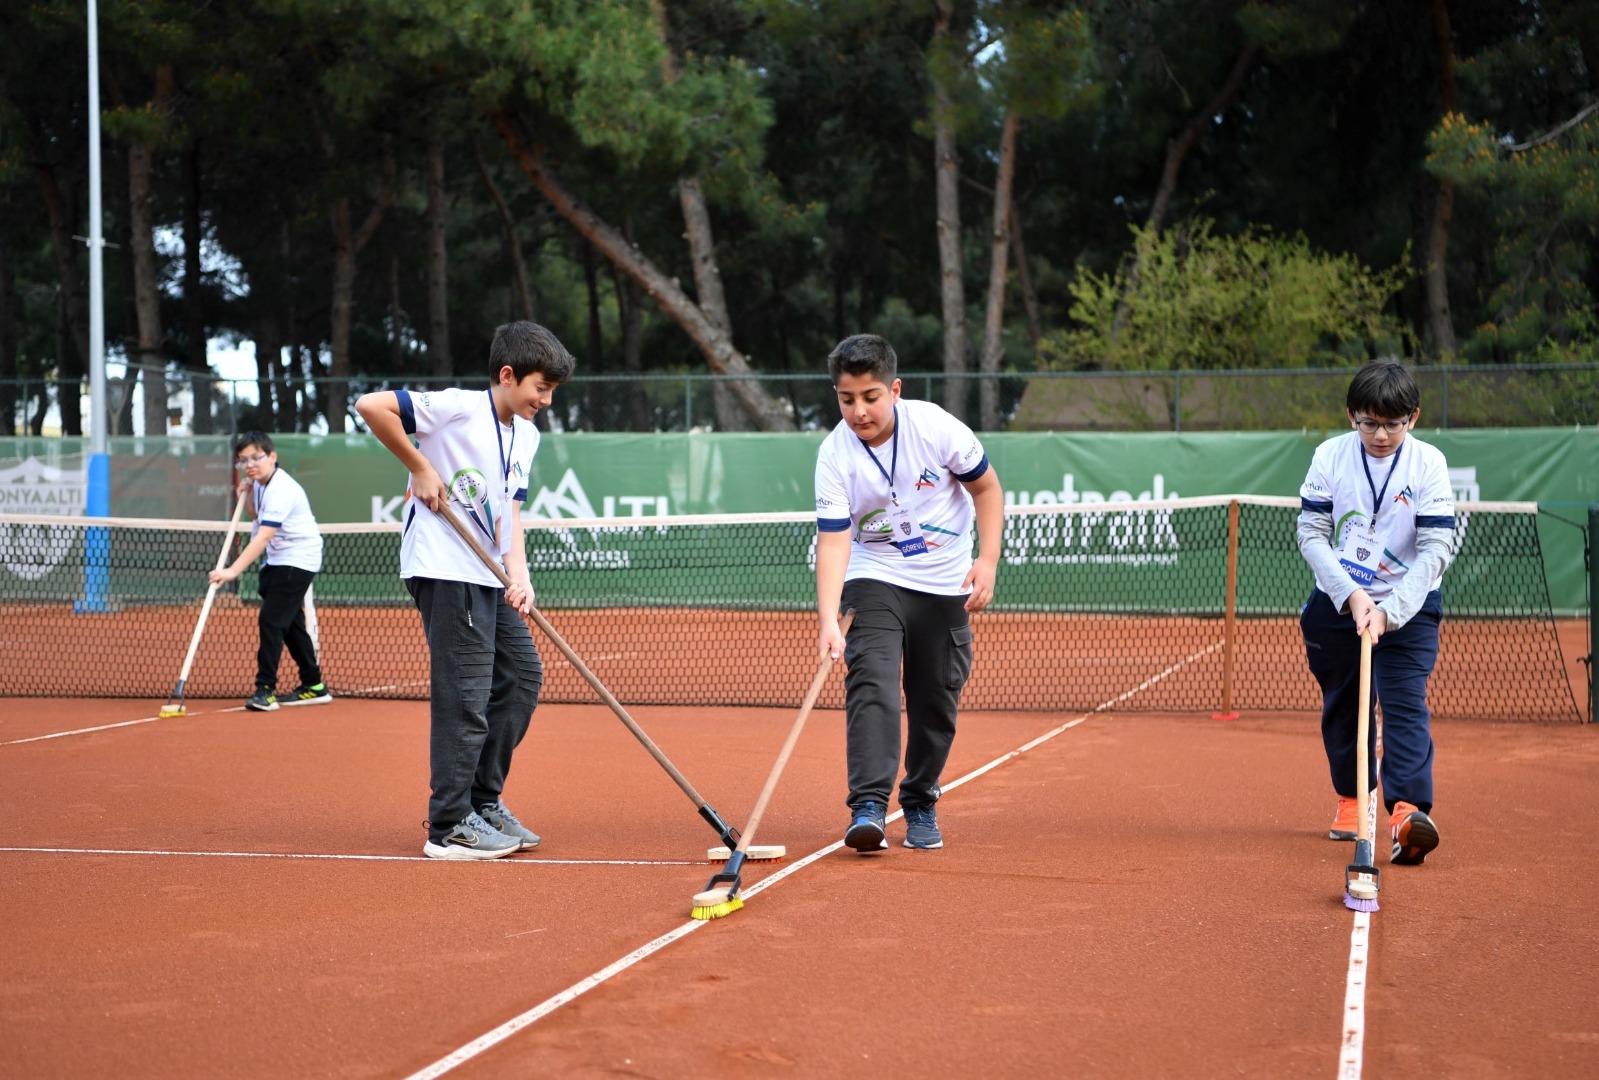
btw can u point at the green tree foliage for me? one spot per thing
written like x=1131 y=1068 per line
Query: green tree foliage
x=1207 y=301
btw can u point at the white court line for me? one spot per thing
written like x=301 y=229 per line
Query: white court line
x=185 y=715
x=493 y=1038
x=1349 y=1062
x=109 y=727
x=534 y=861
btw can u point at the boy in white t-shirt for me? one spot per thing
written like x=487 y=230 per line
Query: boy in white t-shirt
x=474 y=448
x=283 y=528
x=1377 y=526
x=898 y=483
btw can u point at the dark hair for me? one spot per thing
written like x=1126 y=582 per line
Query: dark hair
x=863 y=354
x=1383 y=389
x=529 y=349
x=253 y=438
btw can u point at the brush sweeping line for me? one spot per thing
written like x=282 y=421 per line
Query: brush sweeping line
x=824 y=669
x=205 y=608
x=576 y=661
x=754 y=853
x=1362 y=735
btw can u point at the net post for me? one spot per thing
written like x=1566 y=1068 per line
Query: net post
x=1230 y=622
x=1593 y=603
x=96 y=597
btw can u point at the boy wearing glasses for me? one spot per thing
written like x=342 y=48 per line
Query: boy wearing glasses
x=285 y=529
x=1377 y=526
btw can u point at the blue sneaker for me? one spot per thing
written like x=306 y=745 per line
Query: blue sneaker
x=866 y=830
x=921 y=827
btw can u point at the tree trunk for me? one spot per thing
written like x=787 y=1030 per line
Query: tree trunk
x=594 y=353
x=396 y=316
x=994 y=318
x=710 y=339
x=730 y=415
x=1024 y=277
x=1176 y=153
x=194 y=328
x=72 y=318
x=440 y=362
x=289 y=398
x=146 y=291
x=268 y=349
x=347 y=244
x=630 y=303
x=521 y=298
x=952 y=287
x=1435 y=274
x=9 y=388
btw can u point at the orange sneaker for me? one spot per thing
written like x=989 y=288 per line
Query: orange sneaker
x=1346 y=823
x=1414 y=834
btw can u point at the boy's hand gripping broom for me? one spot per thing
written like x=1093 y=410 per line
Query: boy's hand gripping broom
x=729 y=834
x=721 y=892
x=1362 y=879
x=175 y=705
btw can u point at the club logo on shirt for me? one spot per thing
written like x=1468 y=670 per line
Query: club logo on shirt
x=928 y=479
x=471 y=487
x=1405 y=496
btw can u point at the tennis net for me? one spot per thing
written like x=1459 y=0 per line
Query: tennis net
x=1179 y=605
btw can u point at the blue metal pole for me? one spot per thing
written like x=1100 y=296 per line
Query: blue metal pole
x=97 y=497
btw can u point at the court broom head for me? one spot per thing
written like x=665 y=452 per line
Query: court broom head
x=721 y=892
x=173 y=709
x=1362 y=879
x=754 y=853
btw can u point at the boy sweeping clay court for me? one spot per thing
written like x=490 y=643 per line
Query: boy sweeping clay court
x=1377 y=526
x=898 y=484
x=285 y=530
x=475 y=448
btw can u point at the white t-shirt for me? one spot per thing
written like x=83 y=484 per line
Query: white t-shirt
x=483 y=462
x=281 y=503
x=929 y=451
x=1377 y=504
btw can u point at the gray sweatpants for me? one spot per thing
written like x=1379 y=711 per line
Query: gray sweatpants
x=485 y=682
x=931 y=637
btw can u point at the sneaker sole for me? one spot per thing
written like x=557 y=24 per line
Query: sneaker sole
x=457 y=853
x=1339 y=834
x=866 y=838
x=308 y=701
x=1421 y=837
x=924 y=847
x=262 y=708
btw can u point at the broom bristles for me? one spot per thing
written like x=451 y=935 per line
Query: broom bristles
x=716 y=911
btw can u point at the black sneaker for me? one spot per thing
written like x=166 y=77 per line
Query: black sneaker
x=921 y=827
x=866 y=830
x=309 y=695
x=263 y=700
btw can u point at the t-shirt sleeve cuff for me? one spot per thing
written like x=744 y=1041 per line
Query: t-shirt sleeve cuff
x=977 y=470
x=407 y=411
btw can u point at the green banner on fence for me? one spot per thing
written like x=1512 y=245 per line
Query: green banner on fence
x=354 y=479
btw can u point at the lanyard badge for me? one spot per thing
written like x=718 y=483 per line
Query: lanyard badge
x=905 y=532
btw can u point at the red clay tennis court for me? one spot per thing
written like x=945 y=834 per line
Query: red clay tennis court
x=232 y=893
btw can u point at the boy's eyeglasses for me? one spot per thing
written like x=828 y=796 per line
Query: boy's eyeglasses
x=256 y=460
x=1392 y=427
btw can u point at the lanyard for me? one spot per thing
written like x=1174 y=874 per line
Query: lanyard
x=893 y=459
x=505 y=453
x=1376 y=495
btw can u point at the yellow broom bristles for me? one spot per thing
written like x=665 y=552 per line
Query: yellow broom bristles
x=173 y=710
x=703 y=912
